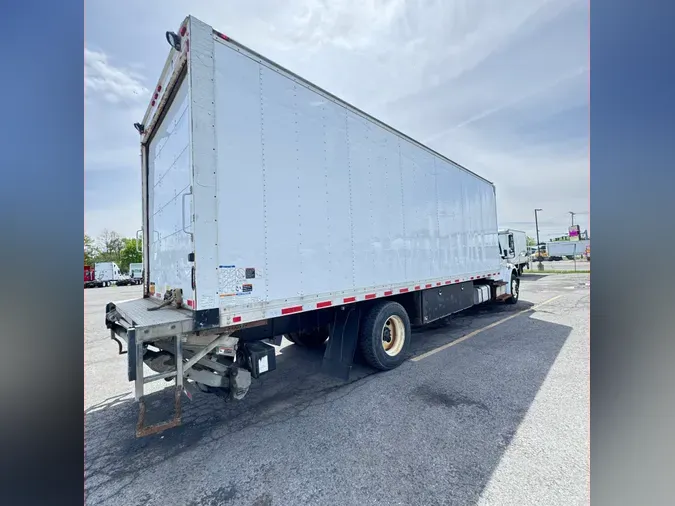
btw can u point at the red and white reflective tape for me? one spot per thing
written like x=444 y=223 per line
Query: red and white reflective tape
x=299 y=308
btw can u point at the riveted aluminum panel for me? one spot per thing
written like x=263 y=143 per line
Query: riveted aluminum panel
x=316 y=199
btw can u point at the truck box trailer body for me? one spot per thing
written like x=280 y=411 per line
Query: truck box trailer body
x=271 y=207
x=557 y=250
x=513 y=245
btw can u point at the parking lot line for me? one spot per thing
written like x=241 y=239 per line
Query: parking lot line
x=487 y=327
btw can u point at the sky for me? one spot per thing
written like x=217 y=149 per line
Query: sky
x=499 y=87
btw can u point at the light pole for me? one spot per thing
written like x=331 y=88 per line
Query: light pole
x=572 y=213
x=536 y=225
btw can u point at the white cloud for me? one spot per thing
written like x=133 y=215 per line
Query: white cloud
x=114 y=84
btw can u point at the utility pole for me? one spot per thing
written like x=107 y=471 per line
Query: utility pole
x=536 y=225
x=572 y=213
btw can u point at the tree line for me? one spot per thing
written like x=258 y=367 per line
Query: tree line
x=110 y=246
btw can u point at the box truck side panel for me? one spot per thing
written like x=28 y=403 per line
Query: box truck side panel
x=323 y=222
x=414 y=182
x=241 y=187
x=315 y=199
x=386 y=197
x=339 y=197
x=170 y=176
x=284 y=270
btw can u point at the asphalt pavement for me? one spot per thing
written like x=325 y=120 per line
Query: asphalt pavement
x=499 y=417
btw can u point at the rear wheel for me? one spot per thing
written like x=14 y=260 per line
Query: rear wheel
x=384 y=337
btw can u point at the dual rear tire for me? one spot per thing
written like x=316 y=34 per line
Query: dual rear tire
x=384 y=335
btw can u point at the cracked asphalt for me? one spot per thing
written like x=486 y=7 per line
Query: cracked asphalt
x=499 y=418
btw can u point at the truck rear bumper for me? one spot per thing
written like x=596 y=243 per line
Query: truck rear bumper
x=149 y=322
x=140 y=322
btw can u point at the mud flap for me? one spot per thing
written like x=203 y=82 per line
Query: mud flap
x=344 y=333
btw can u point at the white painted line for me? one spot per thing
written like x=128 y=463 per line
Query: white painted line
x=475 y=332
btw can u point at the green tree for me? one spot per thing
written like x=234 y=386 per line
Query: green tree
x=129 y=254
x=530 y=241
x=90 y=250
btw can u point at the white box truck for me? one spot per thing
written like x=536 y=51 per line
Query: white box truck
x=136 y=273
x=107 y=273
x=513 y=245
x=272 y=208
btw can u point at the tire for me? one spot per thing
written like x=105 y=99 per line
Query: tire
x=384 y=336
x=313 y=339
x=515 y=289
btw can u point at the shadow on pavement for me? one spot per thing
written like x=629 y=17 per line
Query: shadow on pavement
x=453 y=415
x=532 y=276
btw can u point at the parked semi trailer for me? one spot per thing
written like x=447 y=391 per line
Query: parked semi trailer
x=558 y=250
x=272 y=208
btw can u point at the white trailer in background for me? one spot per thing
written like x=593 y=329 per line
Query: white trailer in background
x=136 y=273
x=107 y=273
x=513 y=247
x=272 y=208
x=557 y=250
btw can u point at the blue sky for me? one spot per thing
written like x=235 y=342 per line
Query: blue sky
x=500 y=87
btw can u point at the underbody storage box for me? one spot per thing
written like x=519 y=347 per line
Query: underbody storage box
x=260 y=358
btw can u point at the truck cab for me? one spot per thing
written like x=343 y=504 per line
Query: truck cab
x=107 y=273
x=136 y=273
x=513 y=248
